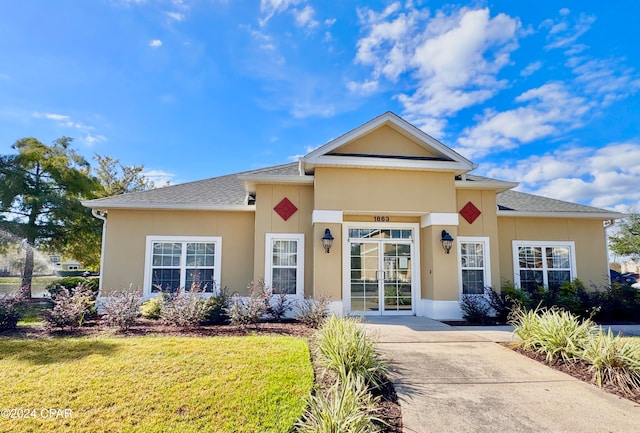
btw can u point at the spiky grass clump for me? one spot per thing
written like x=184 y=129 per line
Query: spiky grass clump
x=346 y=350
x=555 y=333
x=614 y=360
x=346 y=407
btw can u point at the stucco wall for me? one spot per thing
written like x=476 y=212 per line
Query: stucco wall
x=486 y=225
x=268 y=221
x=385 y=141
x=589 y=237
x=359 y=190
x=126 y=242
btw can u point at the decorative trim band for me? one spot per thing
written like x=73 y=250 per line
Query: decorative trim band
x=439 y=219
x=326 y=216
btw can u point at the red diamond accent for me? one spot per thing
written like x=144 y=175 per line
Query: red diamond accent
x=285 y=209
x=470 y=212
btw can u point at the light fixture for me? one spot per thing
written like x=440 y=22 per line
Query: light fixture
x=447 y=241
x=327 y=240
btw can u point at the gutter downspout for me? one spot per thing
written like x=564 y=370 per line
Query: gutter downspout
x=607 y=224
x=101 y=215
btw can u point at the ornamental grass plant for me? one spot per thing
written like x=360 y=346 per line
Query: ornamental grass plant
x=614 y=361
x=345 y=350
x=346 y=407
x=554 y=332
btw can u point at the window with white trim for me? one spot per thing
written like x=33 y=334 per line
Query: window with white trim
x=473 y=253
x=185 y=262
x=284 y=263
x=543 y=264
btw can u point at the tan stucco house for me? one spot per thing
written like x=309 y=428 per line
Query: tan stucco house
x=389 y=195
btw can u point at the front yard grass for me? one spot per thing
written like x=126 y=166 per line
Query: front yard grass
x=156 y=384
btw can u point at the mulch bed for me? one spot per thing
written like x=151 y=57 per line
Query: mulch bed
x=578 y=369
x=389 y=405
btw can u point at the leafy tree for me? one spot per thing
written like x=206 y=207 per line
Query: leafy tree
x=114 y=178
x=626 y=242
x=40 y=191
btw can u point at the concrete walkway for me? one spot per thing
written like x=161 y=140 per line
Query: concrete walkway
x=458 y=379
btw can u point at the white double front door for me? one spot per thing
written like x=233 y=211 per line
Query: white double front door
x=380 y=270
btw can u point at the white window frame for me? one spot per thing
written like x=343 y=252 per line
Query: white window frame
x=543 y=244
x=268 y=259
x=148 y=264
x=486 y=259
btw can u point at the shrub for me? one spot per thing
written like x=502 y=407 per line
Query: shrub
x=475 y=308
x=215 y=309
x=614 y=360
x=245 y=311
x=617 y=302
x=313 y=312
x=10 y=311
x=150 y=309
x=553 y=332
x=122 y=308
x=70 y=308
x=345 y=350
x=345 y=407
x=278 y=305
x=70 y=283
x=183 y=309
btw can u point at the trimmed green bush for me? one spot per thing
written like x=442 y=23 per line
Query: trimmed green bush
x=151 y=308
x=216 y=309
x=475 y=309
x=70 y=283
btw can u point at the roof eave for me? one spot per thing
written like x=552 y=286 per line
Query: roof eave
x=577 y=215
x=499 y=186
x=250 y=181
x=170 y=206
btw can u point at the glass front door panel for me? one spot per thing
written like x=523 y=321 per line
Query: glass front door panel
x=364 y=276
x=397 y=276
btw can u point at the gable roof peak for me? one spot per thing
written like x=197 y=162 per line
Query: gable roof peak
x=441 y=157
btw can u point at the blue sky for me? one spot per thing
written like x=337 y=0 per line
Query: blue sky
x=544 y=93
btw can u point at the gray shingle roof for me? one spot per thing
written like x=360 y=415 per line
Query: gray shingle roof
x=225 y=190
x=522 y=202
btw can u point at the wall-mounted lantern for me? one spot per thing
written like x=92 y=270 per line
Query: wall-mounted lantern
x=447 y=241
x=327 y=240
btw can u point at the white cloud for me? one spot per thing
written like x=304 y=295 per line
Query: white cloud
x=531 y=68
x=549 y=110
x=155 y=43
x=454 y=56
x=269 y=8
x=607 y=80
x=601 y=177
x=366 y=87
x=304 y=17
x=52 y=116
x=563 y=33
x=91 y=140
x=176 y=16
x=159 y=178
x=64 y=121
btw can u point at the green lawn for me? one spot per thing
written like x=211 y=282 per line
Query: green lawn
x=155 y=384
x=12 y=284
